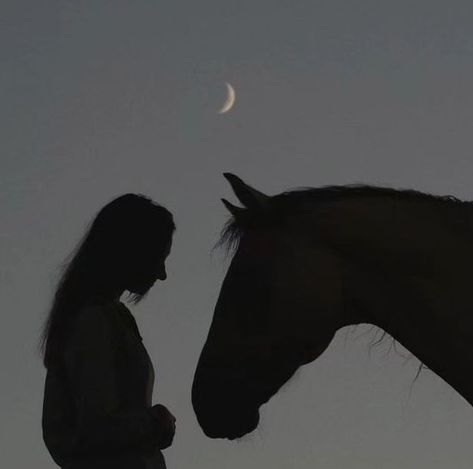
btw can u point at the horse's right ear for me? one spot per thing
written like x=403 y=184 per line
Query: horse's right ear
x=248 y=196
x=233 y=209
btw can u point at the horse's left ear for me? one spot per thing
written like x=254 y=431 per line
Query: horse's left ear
x=248 y=196
x=233 y=209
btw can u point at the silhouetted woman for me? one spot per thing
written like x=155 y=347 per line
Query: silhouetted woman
x=97 y=410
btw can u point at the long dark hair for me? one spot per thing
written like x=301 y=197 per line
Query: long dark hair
x=123 y=232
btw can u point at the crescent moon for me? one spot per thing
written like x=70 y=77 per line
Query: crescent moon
x=231 y=96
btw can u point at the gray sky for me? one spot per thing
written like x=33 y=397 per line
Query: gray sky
x=105 y=97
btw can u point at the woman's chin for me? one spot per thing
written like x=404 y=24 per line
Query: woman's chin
x=141 y=289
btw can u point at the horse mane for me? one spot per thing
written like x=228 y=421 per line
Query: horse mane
x=290 y=201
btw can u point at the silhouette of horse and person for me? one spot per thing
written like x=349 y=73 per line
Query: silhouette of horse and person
x=306 y=263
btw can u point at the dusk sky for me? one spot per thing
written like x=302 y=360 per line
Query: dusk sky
x=107 y=97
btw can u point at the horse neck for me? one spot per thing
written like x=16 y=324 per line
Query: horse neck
x=413 y=279
x=416 y=315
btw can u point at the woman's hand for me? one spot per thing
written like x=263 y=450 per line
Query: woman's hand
x=167 y=422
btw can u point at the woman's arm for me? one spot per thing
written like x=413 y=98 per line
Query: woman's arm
x=101 y=424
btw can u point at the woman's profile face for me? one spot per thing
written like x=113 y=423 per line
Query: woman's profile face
x=149 y=268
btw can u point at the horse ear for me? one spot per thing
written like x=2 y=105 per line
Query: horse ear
x=233 y=209
x=248 y=196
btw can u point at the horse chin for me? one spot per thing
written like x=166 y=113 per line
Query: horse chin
x=243 y=429
x=233 y=429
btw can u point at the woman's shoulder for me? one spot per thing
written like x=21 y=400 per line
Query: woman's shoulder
x=92 y=311
x=93 y=325
x=97 y=306
x=94 y=314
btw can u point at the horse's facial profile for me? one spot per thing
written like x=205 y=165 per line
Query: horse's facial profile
x=262 y=330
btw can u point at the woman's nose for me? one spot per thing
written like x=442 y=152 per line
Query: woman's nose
x=161 y=275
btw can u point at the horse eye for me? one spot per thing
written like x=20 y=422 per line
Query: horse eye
x=253 y=311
